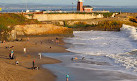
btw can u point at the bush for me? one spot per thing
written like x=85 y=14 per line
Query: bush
x=4 y=32
x=110 y=25
x=101 y=26
x=79 y=24
x=133 y=19
x=107 y=14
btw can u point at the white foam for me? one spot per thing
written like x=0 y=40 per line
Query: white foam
x=129 y=31
x=115 y=45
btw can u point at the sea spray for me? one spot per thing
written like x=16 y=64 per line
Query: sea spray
x=128 y=60
x=129 y=31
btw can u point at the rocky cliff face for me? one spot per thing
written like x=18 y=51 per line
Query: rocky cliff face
x=41 y=29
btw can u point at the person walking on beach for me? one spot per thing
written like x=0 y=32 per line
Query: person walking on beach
x=67 y=77
x=33 y=63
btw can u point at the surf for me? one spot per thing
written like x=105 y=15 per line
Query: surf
x=118 y=46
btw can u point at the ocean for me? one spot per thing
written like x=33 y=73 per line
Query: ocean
x=119 y=49
x=111 y=9
x=119 y=9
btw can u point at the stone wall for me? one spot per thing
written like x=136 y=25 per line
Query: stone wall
x=51 y=17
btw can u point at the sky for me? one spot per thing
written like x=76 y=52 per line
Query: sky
x=86 y=2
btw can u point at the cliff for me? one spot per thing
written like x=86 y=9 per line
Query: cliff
x=41 y=29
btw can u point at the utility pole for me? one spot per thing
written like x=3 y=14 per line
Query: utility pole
x=72 y=6
x=26 y=5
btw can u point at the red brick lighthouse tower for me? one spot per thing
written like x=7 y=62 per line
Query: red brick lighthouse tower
x=80 y=6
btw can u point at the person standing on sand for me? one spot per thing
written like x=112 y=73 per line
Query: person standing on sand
x=12 y=54
x=24 y=50
x=27 y=38
x=33 y=63
x=57 y=40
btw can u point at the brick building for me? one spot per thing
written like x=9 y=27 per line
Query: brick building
x=81 y=8
x=87 y=8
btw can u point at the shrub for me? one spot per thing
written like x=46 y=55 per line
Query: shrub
x=133 y=19
x=79 y=24
x=4 y=32
x=110 y=25
x=102 y=26
x=107 y=14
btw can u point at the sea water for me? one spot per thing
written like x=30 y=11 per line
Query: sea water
x=111 y=9
x=116 y=48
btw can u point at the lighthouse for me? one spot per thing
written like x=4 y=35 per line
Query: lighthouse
x=80 y=6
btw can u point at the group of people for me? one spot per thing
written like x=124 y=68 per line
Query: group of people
x=56 y=41
x=11 y=56
x=3 y=41
x=76 y=58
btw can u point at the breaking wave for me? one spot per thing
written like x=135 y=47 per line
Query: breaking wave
x=119 y=46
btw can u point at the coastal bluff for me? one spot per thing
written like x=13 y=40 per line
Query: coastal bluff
x=52 y=17
x=41 y=29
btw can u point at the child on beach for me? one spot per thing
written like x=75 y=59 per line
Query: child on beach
x=17 y=62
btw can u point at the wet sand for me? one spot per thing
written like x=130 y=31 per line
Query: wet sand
x=23 y=72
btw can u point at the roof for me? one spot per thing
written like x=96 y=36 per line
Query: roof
x=87 y=6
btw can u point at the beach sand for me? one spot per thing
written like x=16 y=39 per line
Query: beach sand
x=22 y=72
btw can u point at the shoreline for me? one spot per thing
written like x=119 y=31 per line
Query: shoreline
x=23 y=72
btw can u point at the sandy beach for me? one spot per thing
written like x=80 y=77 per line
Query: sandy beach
x=22 y=72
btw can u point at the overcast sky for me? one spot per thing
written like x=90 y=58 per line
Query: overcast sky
x=86 y=2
